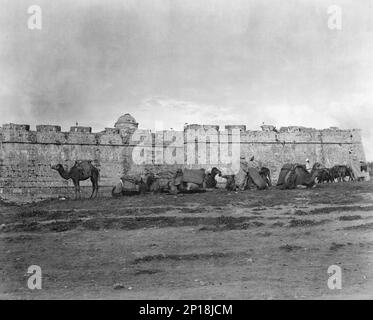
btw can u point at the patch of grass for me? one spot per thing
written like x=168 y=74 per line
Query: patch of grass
x=231 y=226
x=350 y=218
x=365 y=226
x=146 y=271
x=326 y=210
x=290 y=248
x=20 y=238
x=264 y=234
x=193 y=210
x=278 y=224
x=335 y=246
x=259 y=209
x=306 y=223
x=300 y=213
x=180 y=257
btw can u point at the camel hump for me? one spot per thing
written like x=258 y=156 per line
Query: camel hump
x=300 y=166
x=83 y=164
x=85 y=167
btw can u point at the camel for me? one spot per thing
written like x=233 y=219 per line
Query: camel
x=340 y=172
x=210 y=181
x=265 y=173
x=350 y=174
x=299 y=175
x=324 y=176
x=245 y=179
x=82 y=170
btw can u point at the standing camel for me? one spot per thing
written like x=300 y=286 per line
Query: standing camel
x=81 y=171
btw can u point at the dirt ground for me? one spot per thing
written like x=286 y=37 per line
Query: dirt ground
x=273 y=244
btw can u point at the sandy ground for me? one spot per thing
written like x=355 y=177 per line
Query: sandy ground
x=272 y=244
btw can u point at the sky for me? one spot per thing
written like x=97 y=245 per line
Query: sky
x=176 y=62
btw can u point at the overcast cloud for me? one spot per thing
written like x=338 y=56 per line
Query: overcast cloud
x=206 y=61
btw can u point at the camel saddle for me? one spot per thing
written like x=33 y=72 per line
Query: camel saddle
x=196 y=176
x=84 y=167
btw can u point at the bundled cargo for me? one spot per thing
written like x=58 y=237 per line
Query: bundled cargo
x=241 y=179
x=131 y=182
x=196 y=176
x=221 y=182
x=118 y=189
x=256 y=178
x=284 y=171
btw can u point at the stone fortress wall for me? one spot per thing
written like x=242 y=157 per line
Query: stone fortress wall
x=26 y=155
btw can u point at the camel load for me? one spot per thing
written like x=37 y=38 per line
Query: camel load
x=249 y=178
x=129 y=185
x=341 y=172
x=293 y=175
x=338 y=173
x=192 y=180
x=324 y=176
x=186 y=180
x=283 y=173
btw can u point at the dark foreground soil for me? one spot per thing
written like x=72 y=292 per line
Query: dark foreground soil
x=272 y=244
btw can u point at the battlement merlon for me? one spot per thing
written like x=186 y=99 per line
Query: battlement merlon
x=201 y=127
x=81 y=129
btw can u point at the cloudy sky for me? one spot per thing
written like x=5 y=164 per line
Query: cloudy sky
x=188 y=61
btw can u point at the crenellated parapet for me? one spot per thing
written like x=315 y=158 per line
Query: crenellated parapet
x=53 y=134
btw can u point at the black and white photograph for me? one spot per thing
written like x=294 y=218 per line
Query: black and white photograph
x=186 y=150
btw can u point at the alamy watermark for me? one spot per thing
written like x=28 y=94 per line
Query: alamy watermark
x=335 y=17
x=202 y=146
x=335 y=280
x=35 y=19
x=334 y=22
x=35 y=280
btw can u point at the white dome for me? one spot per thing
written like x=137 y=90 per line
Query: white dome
x=126 y=121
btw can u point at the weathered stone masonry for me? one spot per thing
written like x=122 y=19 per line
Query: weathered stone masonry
x=26 y=155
